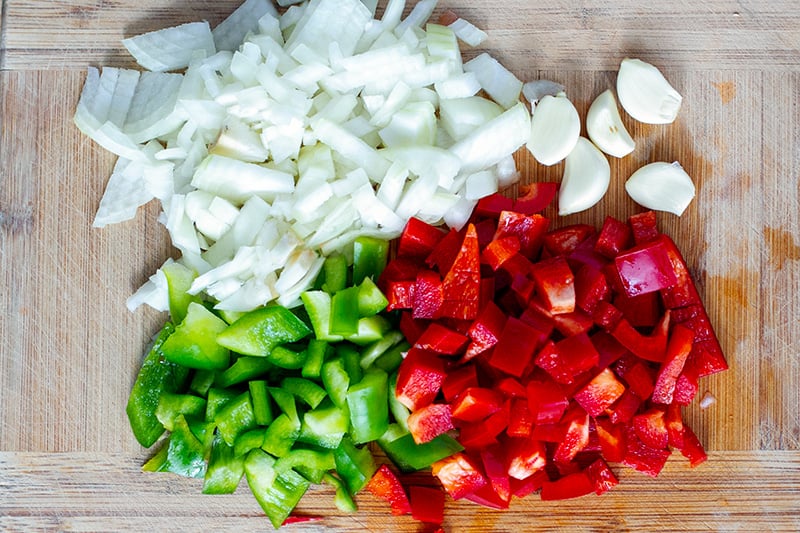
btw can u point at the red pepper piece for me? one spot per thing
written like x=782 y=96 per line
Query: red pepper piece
x=646 y=268
x=564 y=241
x=429 y=422
x=298 y=519
x=683 y=293
x=548 y=432
x=678 y=349
x=520 y=423
x=686 y=386
x=440 y=339
x=555 y=283
x=535 y=197
x=642 y=457
x=692 y=448
x=530 y=230
x=511 y=387
x=479 y=435
x=591 y=288
x=493 y=459
x=542 y=321
x=491 y=206
x=606 y=316
x=445 y=252
x=419 y=378
x=707 y=356
x=485 y=331
x=643 y=227
x=601 y=476
x=651 y=428
x=461 y=285
x=585 y=255
x=608 y=347
x=499 y=251
x=485 y=229
x=385 y=485
x=523 y=287
x=569 y=486
x=459 y=475
x=418 y=239
x=399 y=269
x=546 y=401
x=643 y=310
x=525 y=457
x=600 y=393
x=459 y=380
x=428 y=295
x=487 y=291
x=567 y=358
x=570 y=324
x=476 y=403
x=612 y=439
x=522 y=488
x=623 y=410
x=411 y=328
x=674 y=422
x=639 y=378
x=576 y=437
x=487 y=496
x=651 y=347
x=400 y=295
x=515 y=348
x=427 y=504
x=615 y=236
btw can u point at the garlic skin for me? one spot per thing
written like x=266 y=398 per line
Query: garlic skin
x=662 y=187
x=645 y=94
x=587 y=175
x=605 y=128
x=555 y=128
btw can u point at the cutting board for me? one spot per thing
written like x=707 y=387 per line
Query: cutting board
x=69 y=348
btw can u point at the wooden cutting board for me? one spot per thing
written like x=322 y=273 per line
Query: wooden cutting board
x=69 y=349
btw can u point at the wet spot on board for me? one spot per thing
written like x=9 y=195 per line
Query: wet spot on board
x=727 y=91
x=782 y=247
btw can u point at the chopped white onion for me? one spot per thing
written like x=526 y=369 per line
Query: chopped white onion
x=171 y=48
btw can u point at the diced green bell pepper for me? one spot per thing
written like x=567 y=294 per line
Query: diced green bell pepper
x=318 y=306
x=399 y=411
x=373 y=351
x=390 y=361
x=344 y=312
x=369 y=258
x=351 y=359
x=286 y=403
x=179 y=280
x=201 y=382
x=185 y=453
x=284 y=357
x=342 y=499
x=370 y=329
x=316 y=354
x=279 y=497
x=354 y=465
x=235 y=418
x=335 y=272
x=225 y=469
x=245 y=368
x=280 y=436
x=262 y=406
x=369 y=408
x=216 y=400
x=305 y=390
x=312 y=464
x=324 y=426
x=410 y=456
x=261 y=330
x=371 y=300
x=171 y=405
x=336 y=381
x=194 y=342
x=247 y=441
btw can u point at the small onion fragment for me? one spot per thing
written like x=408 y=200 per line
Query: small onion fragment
x=662 y=187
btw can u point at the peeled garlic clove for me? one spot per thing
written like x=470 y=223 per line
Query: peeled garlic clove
x=605 y=127
x=661 y=187
x=586 y=178
x=555 y=127
x=646 y=94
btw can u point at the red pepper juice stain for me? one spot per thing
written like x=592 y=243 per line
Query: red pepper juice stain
x=782 y=247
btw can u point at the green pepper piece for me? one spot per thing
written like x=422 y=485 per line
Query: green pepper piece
x=225 y=469
x=343 y=501
x=201 y=382
x=283 y=357
x=335 y=271
x=344 y=312
x=312 y=464
x=305 y=390
x=399 y=411
x=216 y=400
x=390 y=361
x=171 y=405
x=261 y=330
x=369 y=406
x=315 y=356
x=371 y=300
x=277 y=494
x=324 y=427
x=370 y=329
x=243 y=369
x=186 y=454
x=369 y=258
x=203 y=432
x=373 y=351
x=156 y=376
x=318 y=306
x=351 y=359
x=280 y=436
x=354 y=465
x=286 y=402
x=179 y=280
x=336 y=381
x=247 y=441
x=262 y=407
x=194 y=342
x=410 y=456
x=235 y=418
x=156 y=462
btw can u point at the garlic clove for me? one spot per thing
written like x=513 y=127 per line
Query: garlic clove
x=662 y=187
x=605 y=128
x=587 y=175
x=645 y=94
x=555 y=127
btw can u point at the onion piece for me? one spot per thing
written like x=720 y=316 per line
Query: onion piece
x=467 y=32
x=171 y=48
x=498 y=82
x=230 y=33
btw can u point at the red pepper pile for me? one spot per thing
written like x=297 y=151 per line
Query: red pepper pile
x=548 y=353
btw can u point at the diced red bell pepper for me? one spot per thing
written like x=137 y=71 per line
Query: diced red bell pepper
x=476 y=403
x=462 y=284
x=493 y=459
x=440 y=339
x=686 y=386
x=601 y=476
x=491 y=206
x=555 y=284
x=652 y=347
x=429 y=422
x=643 y=227
x=600 y=393
x=400 y=295
x=398 y=269
x=615 y=236
x=446 y=250
x=511 y=388
x=298 y=519
x=564 y=241
x=568 y=358
x=608 y=347
x=428 y=295
x=385 y=485
x=419 y=379
x=487 y=496
x=612 y=439
x=485 y=331
x=692 y=448
x=642 y=457
x=570 y=324
x=651 y=428
x=535 y=197
x=418 y=239
x=479 y=435
x=524 y=457
x=525 y=487
x=643 y=310
x=515 y=347
x=485 y=229
x=675 y=428
x=606 y=316
x=411 y=328
x=707 y=357
x=530 y=230
x=623 y=410
x=546 y=401
x=520 y=422
x=678 y=349
x=499 y=251
x=576 y=437
x=459 y=475
x=548 y=432
x=639 y=378
x=591 y=288
x=646 y=268
x=524 y=287
x=427 y=504
x=585 y=255
x=683 y=293
x=459 y=380
x=569 y=486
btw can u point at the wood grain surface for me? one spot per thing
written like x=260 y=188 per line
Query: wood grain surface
x=69 y=349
